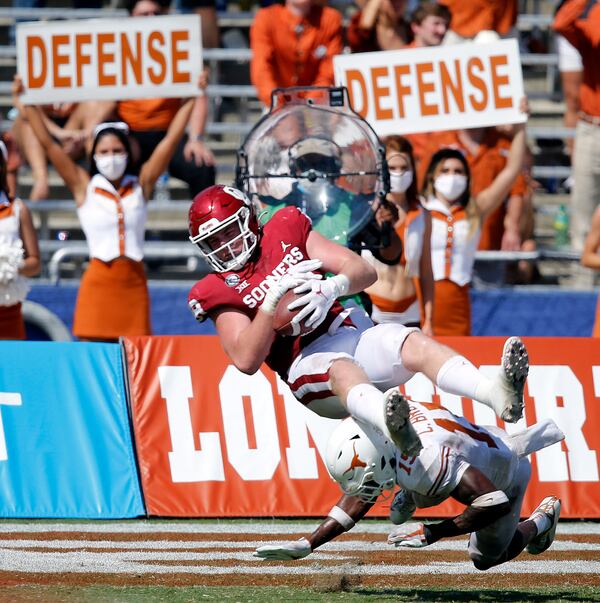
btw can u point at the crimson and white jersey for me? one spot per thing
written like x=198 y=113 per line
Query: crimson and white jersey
x=450 y=445
x=282 y=244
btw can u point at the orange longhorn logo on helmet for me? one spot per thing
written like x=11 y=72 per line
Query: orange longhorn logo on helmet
x=355 y=462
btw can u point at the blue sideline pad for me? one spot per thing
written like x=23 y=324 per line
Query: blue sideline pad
x=65 y=442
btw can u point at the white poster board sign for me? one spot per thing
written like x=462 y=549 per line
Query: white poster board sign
x=109 y=59
x=466 y=85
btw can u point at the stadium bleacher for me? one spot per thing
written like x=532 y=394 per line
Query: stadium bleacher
x=235 y=108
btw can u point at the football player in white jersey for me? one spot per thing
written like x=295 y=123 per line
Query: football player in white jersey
x=485 y=469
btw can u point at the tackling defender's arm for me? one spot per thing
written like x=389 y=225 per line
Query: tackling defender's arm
x=485 y=503
x=342 y=517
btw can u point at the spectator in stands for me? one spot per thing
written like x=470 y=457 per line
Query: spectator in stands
x=13 y=163
x=19 y=255
x=68 y=123
x=429 y=23
x=149 y=119
x=293 y=45
x=208 y=16
x=579 y=22
x=590 y=258
x=457 y=216
x=379 y=25
x=471 y=19
x=571 y=74
x=111 y=204
x=403 y=291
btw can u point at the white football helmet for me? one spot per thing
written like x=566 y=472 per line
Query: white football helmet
x=361 y=467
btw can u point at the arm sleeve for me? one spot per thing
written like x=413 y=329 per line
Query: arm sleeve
x=261 y=66
x=568 y=22
x=332 y=23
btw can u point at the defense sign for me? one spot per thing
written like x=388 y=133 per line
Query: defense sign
x=108 y=59
x=429 y=89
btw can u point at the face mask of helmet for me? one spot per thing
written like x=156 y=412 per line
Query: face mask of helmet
x=399 y=183
x=360 y=467
x=227 y=245
x=112 y=167
x=451 y=186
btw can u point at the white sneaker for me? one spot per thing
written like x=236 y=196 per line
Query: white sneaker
x=509 y=383
x=550 y=507
x=401 y=430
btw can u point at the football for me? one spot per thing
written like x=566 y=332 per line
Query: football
x=282 y=319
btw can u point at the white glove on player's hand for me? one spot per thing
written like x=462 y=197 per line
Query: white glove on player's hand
x=296 y=275
x=318 y=300
x=285 y=552
x=402 y=507
x=410 y=535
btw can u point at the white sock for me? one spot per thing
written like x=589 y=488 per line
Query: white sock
x=460 y=377
x=365 y=403
x=542 y=522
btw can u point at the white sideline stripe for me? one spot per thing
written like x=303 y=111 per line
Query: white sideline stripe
x=249 y=545
x=20 y=561
x=225 y=527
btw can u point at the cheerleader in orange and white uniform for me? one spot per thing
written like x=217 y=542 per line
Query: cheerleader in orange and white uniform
x=113 y=297
x=403 y=291
x=456 y=227
x=19 y=256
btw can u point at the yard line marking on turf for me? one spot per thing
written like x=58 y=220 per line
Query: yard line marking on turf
x=84 y=562
x=250 y=545
x=225 y=527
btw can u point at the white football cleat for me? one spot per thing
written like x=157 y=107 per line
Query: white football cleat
x=509 y=384
x=401 y=430
x=402 y=508
x=550 y=507
x=410 y=535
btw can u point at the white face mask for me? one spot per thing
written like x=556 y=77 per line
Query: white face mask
x=399 y=183
x=112 y=167
x=452 y=186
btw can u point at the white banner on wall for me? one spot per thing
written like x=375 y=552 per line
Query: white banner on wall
x=109 y=59
x=466 y=85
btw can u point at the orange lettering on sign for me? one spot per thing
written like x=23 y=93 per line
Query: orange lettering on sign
x=501 y=102
x=424 y=88
x=455 y=86
x=81 y=59
x=154 y=39
x=58 y=60
x=379 y=92
x=353 y=75
x=128 y=58
x=33 y=80
x=179 y=77
x=477 y=82
x=401 y=89
x=104 y=58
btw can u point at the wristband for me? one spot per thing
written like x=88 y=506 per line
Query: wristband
x=341 y=283
x=341 y=517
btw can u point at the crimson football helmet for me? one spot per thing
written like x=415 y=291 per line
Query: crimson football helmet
x=223 y=225
x=360 y=466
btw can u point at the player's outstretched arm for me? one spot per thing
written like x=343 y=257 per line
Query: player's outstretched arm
x=342 y=517
x=485 y=503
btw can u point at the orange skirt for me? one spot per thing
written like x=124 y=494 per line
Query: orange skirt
x=112 y=301
x=12 y=325
x=451 y=309
x=596 y=332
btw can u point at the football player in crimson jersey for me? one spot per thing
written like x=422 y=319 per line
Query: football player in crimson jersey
x=344 y=365
x=483 y=468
